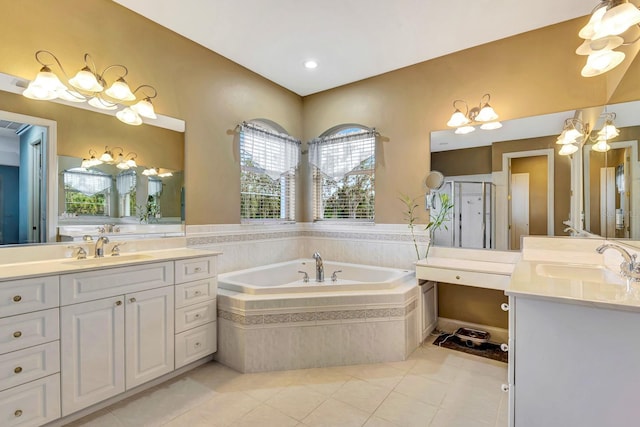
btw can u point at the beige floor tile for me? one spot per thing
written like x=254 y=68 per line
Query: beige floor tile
x=297 y=401
x=361 y=394
x=188 y=419
x=225 y=408
x=379 y=422
x=102 y=418
x=405 y=411
x=334 y=413
x=423 y=389
x=435 y=370
x=448 y=418
x=476 y=403
x=265 y=416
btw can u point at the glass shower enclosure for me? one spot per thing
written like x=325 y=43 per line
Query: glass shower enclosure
x=471 y=223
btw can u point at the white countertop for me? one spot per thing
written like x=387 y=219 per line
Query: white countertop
x=23 y=270
x=502 y=268
x=528 y=281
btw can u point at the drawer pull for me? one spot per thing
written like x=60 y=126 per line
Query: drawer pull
x=132 y=300
x=198 y=269
x=504 y=306
x=197 y=293
x=458 y=277
x=18 y=413
x=18 y=369
x=504 y=347
x=118 y=302
x=17 y=298
x=17 y=334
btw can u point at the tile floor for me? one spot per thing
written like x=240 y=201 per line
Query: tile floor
x=434 y=387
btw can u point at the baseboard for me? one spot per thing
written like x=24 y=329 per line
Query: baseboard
x=498 y=335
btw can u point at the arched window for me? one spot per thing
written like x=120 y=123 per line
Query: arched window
x=87 y=192
x=268 y=161
x=343 y=162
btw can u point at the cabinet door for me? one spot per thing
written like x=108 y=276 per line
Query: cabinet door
x=149 y=336
x=92 y=342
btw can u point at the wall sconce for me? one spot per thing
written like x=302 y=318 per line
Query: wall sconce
x=609 y=20
x=90 y=85
x=150 y=172
x=121 y=161
x=483 y=114
x=91 y=161
x=575 y=133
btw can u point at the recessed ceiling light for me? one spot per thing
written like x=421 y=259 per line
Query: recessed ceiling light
x=310 y=64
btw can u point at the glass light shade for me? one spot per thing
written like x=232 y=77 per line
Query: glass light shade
x=86 y=164
x=123 y=165
x=609 y=131
x=102 y=104
x=150 y=172
x=486 y=114
x=70 y=95
x=588 y=31
x=572 y=135
x=601 y=146
x=165 y=174
x=457 y=119
x=463 y=130
x=601 y=62
x=491 y=126
x=132 y=163
x=144 y=108
x=129 y=117
x=619 y=19
x=606 y=43
x=45 y=86
x=568 y=149
x=120 y=90
x=106 y=157
x=86 y=80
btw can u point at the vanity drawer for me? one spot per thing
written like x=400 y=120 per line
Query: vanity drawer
x=109 y=282
x=26 y=330
x=188 y=270
x=31 y=404
x=195 y=292
x=459 y=277
x=23 y=296
x=195 y=315
x=26 y=365
x=195 y=344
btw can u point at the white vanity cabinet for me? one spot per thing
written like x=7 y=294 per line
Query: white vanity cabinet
x=29 y=351
x=196 y=316
x=113 y=344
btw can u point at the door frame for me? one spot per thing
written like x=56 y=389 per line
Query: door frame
x=503 y=238
x=51 y=156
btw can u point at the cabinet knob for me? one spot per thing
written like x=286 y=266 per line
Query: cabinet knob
x=197 y=293
x=197 y=316
x=17 y=334
x=504 y=306
x=17 y=369
x=118 y=302
x=132 y=300
x=18 y=413
x=458 y=277
x=504 y=347
x=197 y=344
x=17 y=298
x=504 y=387
x=198 y=269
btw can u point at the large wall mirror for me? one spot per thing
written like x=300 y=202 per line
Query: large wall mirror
x=535 y=191
x=47 y=194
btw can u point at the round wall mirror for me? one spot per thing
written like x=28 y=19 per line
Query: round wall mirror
x=434 y=180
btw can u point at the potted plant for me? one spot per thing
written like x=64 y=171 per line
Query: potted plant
x=437 y=220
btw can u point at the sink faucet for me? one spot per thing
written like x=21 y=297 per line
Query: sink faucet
x=99 y=253
x=319 y=267
x=630 y=267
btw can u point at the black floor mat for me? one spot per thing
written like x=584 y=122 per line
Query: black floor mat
x=488 y=350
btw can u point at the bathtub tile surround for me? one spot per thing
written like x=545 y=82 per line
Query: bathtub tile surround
x=249 y=245
x=434 y=386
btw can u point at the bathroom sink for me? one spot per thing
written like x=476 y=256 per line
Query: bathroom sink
x=108 y=260
x=585 y=273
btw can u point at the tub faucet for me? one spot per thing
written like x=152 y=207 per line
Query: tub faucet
x=99 y=252
x=319 y=267
x=630 y=267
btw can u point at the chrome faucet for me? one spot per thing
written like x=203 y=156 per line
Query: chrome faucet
x=630 y=267
x=99 y=252
x=319 y=267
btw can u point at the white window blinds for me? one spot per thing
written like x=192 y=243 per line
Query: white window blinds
x=270 y=152
x=339 y=154
x=126 y=182
x=87 y=182
x=155 y=187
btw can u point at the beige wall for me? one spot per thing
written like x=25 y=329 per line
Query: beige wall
x=536 y=167
x=467 y=161
x=471 y=304
x=211 y=93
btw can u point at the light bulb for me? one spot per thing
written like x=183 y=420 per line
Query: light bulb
x=457 y=119
x=86 y=80
x=120 y=90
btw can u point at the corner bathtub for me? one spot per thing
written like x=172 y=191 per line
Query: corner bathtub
x=269 y=319
x=285 y=277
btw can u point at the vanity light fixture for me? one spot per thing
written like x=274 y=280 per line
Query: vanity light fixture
x=90 y=85
x=91 y=161
x=604 y=135
x=603 y=33
x=483 y=114
x=126 y=162
x=150 y=172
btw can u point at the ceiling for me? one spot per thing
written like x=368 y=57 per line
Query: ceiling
x=350 y=39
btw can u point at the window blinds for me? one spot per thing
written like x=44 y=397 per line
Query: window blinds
x=89 y=183
x=268 y=152
x=337 y=155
